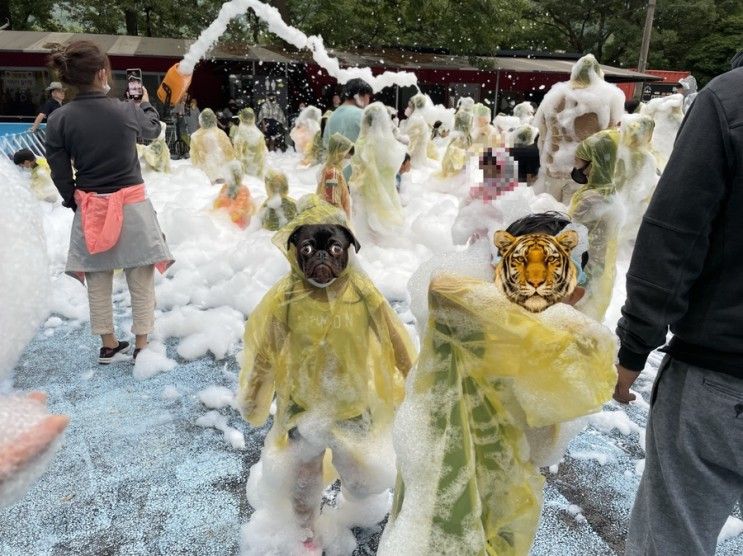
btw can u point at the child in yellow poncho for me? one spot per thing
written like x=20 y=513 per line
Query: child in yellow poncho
x=250 y=144
x=278 y=209
x=335 y=356
x=211 y=149
x=455 y=156
x=332 y=187
x=493 y=384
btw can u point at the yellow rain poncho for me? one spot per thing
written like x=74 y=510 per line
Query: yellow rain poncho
x=41 y=182
x=594 y=205
x=250 y=144
x=376 y=161
x=455 y=156
x=332 y=187
x=341 y=348
x=211 y=149
x=157 y=156
x=488 y=372
x=279 y=209
x=484 y=134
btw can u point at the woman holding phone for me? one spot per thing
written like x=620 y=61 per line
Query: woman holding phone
x=115 y=225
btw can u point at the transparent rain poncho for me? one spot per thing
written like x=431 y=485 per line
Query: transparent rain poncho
x=524 y=135
x=235 y=197
x=278 y=209
x=596 y=206
x=157 y=156
x=421 y=110
x=455 y=157
x=667 y=113
x=376 y=161
x=418 y=132
x=484 y=134
x=524 y=111
x=211 y=149
x=571 y=112
x=250 y=144
x=341 y=349
x=488 y=372
x=636 y=173
x=465 y=104
x=304 y=133
x=332 y=187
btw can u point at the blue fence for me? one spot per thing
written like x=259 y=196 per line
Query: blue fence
x=26 y=140
x=14 y=128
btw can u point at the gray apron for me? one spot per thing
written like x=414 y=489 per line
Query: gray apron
x=141 y=243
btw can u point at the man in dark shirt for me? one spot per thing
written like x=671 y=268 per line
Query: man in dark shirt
x=686 y=274
x=55 y=101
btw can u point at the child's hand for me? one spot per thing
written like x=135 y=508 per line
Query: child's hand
x=625 y=379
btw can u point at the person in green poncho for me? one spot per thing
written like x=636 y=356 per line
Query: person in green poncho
x=594 y=205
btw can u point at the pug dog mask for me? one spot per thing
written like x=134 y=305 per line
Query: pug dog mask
x=322 y=251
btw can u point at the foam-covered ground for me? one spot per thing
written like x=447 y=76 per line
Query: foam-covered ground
x=137 y=475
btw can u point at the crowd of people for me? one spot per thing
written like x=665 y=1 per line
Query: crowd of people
x=512 y=348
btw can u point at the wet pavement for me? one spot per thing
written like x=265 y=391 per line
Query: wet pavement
x=135 y=475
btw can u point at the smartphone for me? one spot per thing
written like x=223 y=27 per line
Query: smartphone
x=134 y=84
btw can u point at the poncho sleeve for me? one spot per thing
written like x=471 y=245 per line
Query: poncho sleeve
x=264 y=337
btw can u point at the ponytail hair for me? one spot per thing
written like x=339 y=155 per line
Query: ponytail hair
x=77 y=63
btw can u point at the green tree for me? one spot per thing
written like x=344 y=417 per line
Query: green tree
x=23 y=15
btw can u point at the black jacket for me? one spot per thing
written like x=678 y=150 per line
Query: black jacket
x=99 y=134
x=687 y=266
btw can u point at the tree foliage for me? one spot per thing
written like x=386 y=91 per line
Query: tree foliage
x=697 y=35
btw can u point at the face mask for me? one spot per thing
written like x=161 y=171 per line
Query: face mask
x=359 y=101
x=578 y=176
x=106 y=88
x=408 y=112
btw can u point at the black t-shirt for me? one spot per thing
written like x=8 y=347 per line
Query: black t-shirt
x=49 y=106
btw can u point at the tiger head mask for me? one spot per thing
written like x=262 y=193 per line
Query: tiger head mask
x=535 y=270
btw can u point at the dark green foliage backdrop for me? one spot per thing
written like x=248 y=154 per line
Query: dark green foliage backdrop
x=696 y=35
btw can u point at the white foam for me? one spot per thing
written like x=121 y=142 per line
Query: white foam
x=214 y=420
x=151 y=361
x=296 y=38
x=733 y=527
x=216 y=397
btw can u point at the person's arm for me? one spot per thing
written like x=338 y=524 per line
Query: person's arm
x=60 y=164
x=39 y=118
x=673 y=241
x=147 y=117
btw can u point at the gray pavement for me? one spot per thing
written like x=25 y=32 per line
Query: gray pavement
x=136 y=476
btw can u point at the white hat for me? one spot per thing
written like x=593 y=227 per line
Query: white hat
x=54 y=85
